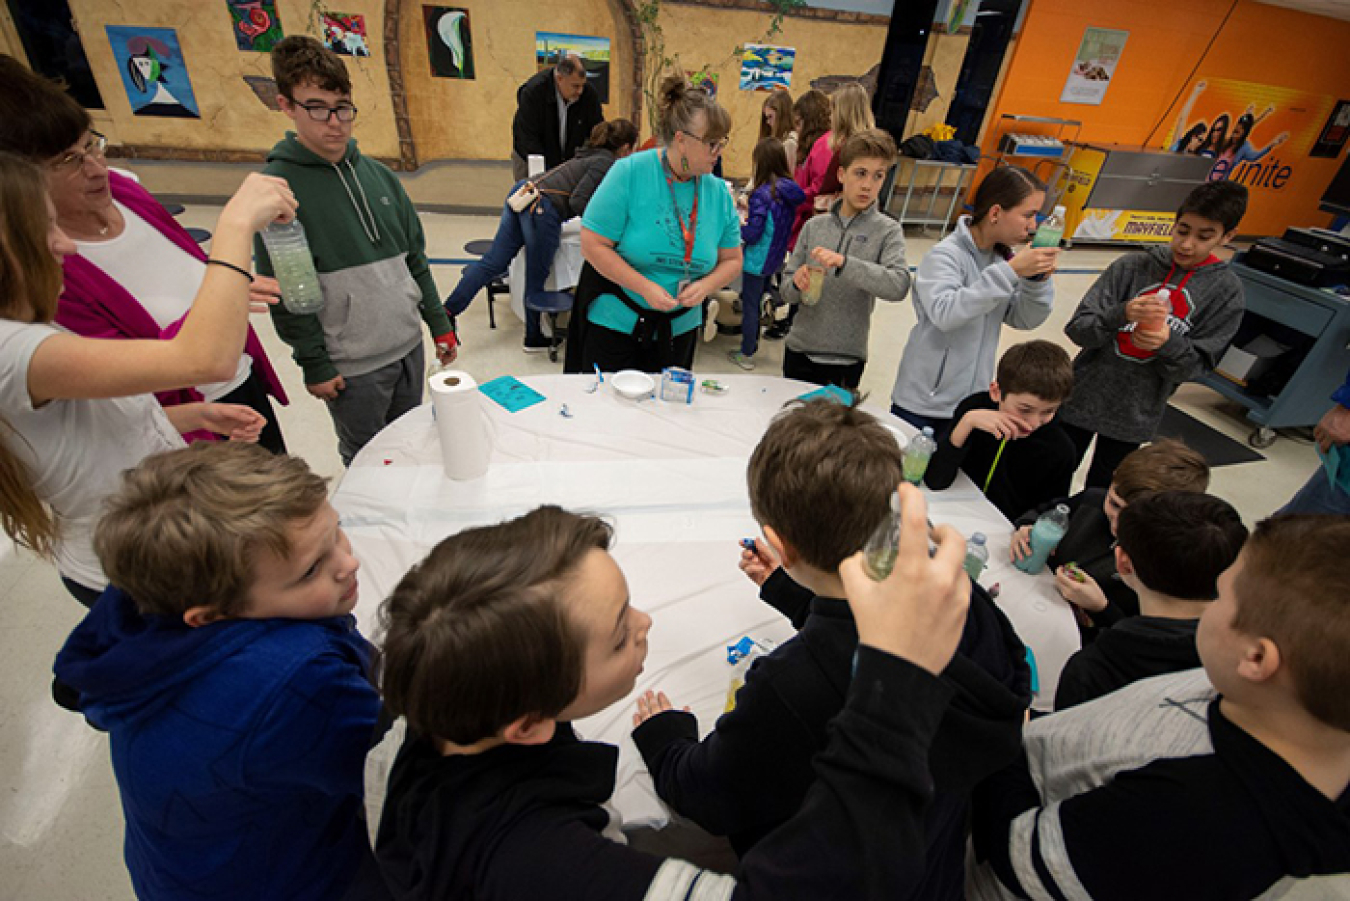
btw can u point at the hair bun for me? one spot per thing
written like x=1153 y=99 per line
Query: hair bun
x=673 y=90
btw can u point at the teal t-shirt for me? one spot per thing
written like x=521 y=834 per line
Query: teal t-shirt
x=633 y=208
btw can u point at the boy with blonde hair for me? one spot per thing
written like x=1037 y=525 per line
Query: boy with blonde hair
x=227 y=669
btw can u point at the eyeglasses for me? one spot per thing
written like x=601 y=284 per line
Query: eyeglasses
x=74 y=161
x=321 y=113
x=714 y=147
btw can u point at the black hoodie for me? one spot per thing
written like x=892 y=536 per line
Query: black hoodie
x=751 y=772
x=519 y=823
x=1133 y=649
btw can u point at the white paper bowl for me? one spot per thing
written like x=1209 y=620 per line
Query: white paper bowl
x=632 y=384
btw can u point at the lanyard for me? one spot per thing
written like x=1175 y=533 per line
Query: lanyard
x=687 y=233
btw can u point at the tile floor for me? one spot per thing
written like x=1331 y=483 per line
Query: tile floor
x=60 y=820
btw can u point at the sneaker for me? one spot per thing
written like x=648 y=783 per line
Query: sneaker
x=536 y=346
x=741 y=360
x=777 y=331
x=710 y=320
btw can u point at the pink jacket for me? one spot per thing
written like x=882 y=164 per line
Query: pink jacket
x=815 y=176
x=94 y=305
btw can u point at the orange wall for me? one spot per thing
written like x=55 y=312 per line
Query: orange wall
x=1263 y=44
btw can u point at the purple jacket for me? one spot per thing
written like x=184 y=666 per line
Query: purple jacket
x=769 y=225
x=94 y=305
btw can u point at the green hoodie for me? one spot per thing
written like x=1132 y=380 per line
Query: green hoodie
x=370 y=253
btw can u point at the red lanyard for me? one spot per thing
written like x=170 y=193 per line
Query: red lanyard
x=689 y=232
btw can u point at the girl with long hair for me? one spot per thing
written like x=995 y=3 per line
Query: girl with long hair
x=851 y=113
x=776 y=121
x=967 y=287
x=78 y=411
x=771 y=209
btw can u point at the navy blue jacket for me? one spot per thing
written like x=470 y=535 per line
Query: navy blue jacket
x=239 y=748
x=768 y=225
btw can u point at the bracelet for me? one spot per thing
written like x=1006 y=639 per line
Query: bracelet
x=244 y=272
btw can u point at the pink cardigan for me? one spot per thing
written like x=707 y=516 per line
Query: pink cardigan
x=94 y=305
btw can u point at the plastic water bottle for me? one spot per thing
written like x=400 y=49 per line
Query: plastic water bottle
x=977 y=556
x=883 y=545
x=917 y=453
x=1051 y=232
x=1045 y=537
x=293 y=266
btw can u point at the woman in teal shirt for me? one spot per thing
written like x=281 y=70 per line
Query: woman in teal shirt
x=666 y=234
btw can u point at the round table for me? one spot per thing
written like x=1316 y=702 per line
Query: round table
x=671 y=478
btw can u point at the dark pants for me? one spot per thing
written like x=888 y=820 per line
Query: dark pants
x=82 y=593
x=1105 y=458
x=800 y=367
x=373 y=400
x=613 y=351
x=918 y=420
x=752 y=298
x=253 y=393
x=539 y=231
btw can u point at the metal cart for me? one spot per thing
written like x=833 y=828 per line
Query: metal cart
x=926 y=181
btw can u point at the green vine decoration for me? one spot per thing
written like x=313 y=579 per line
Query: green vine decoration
x=658 y=64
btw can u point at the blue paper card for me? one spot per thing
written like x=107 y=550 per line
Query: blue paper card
x=511 y=393
x=833 y=392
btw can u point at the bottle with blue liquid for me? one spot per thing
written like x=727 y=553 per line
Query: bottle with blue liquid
x=1045 y=537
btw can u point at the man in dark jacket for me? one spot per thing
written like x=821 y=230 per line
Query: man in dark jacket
x=555 y=112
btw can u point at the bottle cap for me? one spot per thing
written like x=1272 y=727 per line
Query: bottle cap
x=928 y=430
x=1060 y=211
x=978 y=538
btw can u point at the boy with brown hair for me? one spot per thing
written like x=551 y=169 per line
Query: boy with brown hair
x=1084 y=562
x=1173 y=546
x=362 y=353
x=1227 y=782
x=1152 y=321
x=859 y=253
x=505 y=634
x=818 y=486
x=1004 y=438
x=227 y=669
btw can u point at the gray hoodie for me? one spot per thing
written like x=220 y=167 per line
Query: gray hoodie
x=1122 y=391
x=873 y=245
x=962 y=296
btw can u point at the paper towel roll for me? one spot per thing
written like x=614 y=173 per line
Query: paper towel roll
x=461 y=423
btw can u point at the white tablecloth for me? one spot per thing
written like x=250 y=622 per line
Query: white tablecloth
x=672 y=480
x=565 y=274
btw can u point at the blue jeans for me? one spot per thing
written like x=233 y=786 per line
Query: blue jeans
x=1318 y=495
x=539 y=231
x=752 y=298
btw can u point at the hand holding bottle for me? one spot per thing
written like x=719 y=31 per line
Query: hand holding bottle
x=1030 y=262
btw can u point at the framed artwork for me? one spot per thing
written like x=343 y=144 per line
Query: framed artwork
x=449 y=41
x=344 y=33
x=550 y=47
x=765 y=68
x=256 y=26
x=153 y=71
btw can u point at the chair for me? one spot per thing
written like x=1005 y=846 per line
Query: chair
x=551 y=304
x=496 y=286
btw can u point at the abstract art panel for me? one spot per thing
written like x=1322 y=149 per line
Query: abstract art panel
x=449 y=42
x=153 y=71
